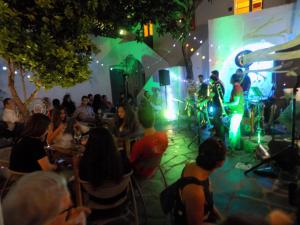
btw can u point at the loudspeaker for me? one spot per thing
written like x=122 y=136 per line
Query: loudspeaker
x=164 y=77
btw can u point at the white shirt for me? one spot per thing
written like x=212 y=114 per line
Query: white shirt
x=10 y=117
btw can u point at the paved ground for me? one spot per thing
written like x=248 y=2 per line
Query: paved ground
x=234 y=192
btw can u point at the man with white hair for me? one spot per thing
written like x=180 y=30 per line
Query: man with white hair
x=41 y=198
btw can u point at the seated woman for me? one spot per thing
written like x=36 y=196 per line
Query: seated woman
x=28 y=152
x=102 y=163
x=126 y=124
x=60 y=130
x=196 y=205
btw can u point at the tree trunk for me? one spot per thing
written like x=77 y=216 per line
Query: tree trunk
x=187 y=61
x=11 y=85
x=22 y=74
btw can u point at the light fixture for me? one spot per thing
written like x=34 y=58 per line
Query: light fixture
x=4 y=68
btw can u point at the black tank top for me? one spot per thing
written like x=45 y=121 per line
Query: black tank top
x=179 y=213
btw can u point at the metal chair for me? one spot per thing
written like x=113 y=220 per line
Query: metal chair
x=96 y=199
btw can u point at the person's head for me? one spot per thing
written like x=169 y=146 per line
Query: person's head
x=67 y=98
x=125 y=115
x=46 y=101
x=146 y=116
x=211 y=154
x=37 y=198
x=84 y=100
x=122 y=111
x=36 y=126
x=104 y=97
x=56 y=103
x=91 y=98
x=235 y=78
x=200 y=78
x=239 y=71
x=58 y=116
x=214 y=76
x=9 y=103
x=101 y=158
x=97 y=99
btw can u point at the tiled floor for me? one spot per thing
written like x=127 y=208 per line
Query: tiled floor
x=233 y=191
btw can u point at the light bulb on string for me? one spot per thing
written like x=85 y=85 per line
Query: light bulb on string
x=4 y=68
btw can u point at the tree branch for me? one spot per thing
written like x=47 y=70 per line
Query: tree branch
x=32 y=96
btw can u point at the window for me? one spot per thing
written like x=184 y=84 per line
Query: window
x=245 y=6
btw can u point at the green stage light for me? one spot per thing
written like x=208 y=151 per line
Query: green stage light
x=170 y=114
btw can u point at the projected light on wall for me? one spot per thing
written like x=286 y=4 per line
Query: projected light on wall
x=262 y=80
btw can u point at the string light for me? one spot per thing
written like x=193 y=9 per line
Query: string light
x=174 y=45
x=210 y=60
x=97 y=61
x=16 y=72
x=197 y=53
x=195 y=38
x=201 y=41
x=4 y=68
x=192 y=49
x=28 y=76
x=187 y=45
x=102 y=64
x=203 y=57
x=211 y=45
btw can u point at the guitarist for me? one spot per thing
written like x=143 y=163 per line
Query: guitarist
x=236 y=108
x=218 y=89
x=203 y=98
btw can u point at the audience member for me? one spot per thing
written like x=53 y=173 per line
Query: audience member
x=91 y=99
x=196 y=204
x=97 y=103
x=101 y=160
x=55 y=106
x=10 y=114
x=60 y=130
x=28 y=152
x=69 y=105
x=47 y=104
x=41 y=198
x=151 y=146
x=84 y=112
x=126 y=123
x=107 y=104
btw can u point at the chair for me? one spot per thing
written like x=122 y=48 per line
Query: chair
x=97 y=199
x=13 y=176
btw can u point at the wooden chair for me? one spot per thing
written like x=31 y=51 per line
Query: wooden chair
x=86 y=194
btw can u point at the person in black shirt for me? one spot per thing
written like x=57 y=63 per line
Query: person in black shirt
x=28 y=152
x=218 y=90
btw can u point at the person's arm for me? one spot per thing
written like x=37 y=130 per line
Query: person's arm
x=135 y=152
x=53 y=134
x=46 y=165
x=235 y=102
x=194 y=200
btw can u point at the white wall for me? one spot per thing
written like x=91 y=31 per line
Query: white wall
x=232 y=34
x=113 y=52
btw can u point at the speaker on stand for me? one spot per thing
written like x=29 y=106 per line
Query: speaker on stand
x=164 y=80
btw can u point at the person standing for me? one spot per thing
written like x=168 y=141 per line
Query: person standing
x=84 y=112
x=203 y=97
x=217 y=90
x=10 y=114
x=236 y=109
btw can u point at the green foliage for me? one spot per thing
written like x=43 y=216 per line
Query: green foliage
x=50 y=38
x=171 y=16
